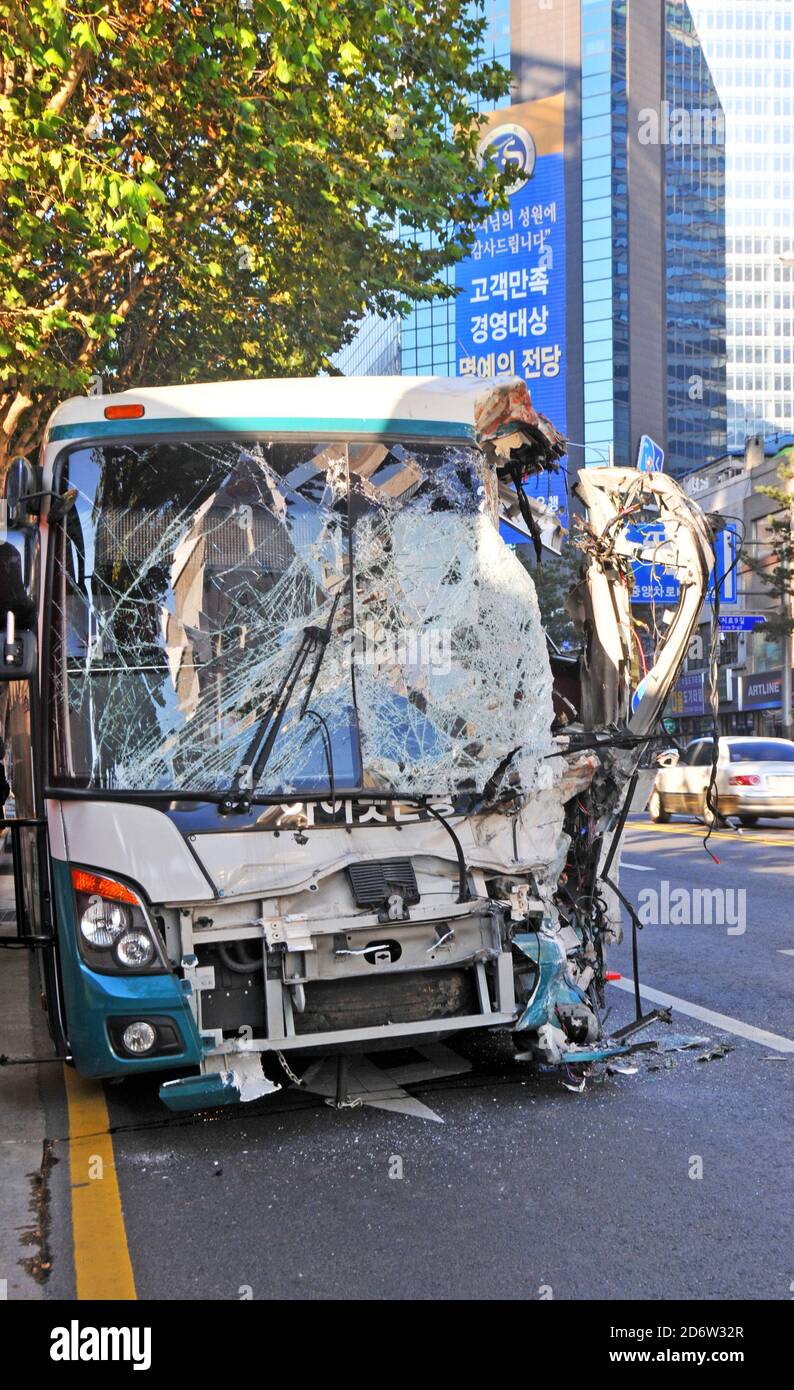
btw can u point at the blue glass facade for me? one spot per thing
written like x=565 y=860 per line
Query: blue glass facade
x=375 y=349
x=598 y=212
x=694 y=241
x=696 y=278
x=750 y=48
x=686 y=298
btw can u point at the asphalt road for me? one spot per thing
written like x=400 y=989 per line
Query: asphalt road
x=526 y=1190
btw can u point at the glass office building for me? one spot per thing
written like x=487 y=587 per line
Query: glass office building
x=423 y=343
x=695 y=250
x=374 y=351
x=645 y=241
x=605 y=246
x=749 y=45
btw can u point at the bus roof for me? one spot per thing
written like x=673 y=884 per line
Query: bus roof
x=370 y=405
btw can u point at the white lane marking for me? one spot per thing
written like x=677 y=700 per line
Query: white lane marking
x=723 y=1021
x=639 y=868
x=786 y=953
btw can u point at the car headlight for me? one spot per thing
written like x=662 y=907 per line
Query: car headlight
x=115 y=934
x=103 y=921
x=134 y=949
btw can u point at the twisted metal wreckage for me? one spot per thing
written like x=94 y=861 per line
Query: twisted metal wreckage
x=347 y=616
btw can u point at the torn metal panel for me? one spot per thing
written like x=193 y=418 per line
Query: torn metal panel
x=243 y=1080
x=519 y=443
x=547 y=956
x=615 y=497
x=506 y=422
x=530 y=839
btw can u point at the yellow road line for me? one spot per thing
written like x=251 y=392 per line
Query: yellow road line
x=101 y=1257
x=697 y=831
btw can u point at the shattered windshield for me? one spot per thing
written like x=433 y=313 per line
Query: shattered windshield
x=187 y=574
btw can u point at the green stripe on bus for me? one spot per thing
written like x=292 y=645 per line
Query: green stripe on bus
x=247 y=424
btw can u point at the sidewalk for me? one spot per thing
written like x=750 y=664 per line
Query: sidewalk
x=22 y=1121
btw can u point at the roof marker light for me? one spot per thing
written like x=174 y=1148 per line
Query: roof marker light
x=124 y=412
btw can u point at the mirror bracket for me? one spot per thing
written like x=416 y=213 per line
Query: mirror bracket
x=18 y=657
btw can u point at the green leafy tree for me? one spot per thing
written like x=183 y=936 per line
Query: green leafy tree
x=775 y=568
x=193 y=191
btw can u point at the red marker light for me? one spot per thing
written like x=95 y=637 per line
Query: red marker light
x=124 y=412
x=613 y=975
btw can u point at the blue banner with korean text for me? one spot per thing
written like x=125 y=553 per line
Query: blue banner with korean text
x=510 y=312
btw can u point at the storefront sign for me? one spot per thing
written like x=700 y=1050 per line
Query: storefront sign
x=688 y=698
x=762 y=691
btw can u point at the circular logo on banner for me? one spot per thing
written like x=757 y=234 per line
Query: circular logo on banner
x=510 y=145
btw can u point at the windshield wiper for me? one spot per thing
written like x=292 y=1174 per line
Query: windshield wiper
x=248 y=775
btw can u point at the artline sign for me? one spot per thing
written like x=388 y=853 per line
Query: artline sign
x=763 y=691
x=510 y=312
x=689 y=694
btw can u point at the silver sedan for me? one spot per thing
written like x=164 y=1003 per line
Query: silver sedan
x=755 y=777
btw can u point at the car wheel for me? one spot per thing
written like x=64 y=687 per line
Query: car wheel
x=748 y=820
x=656 y=809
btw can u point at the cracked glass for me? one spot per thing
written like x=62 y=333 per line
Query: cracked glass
x=189 y=575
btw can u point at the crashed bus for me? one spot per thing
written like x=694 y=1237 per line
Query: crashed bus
x=296 y=773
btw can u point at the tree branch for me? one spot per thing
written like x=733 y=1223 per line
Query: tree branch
x=68 y=87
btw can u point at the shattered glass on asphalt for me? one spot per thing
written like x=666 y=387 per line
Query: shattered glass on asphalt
x=187 y=573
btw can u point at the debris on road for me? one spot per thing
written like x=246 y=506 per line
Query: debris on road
x=714 y=1054
x=680 y=1042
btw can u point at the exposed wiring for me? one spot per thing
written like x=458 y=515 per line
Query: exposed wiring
x=615 y=741
x=329 y=754
x=640 y=649
x=464 y=895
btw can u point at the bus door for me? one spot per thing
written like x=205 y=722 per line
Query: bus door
x=22 y=819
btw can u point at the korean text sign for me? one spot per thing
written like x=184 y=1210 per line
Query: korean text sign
x=510 y=312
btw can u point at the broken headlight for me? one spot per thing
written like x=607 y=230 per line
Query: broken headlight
x=113 y=928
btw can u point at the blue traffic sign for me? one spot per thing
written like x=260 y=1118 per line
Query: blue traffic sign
x=741 y=622
x=726 y=545
x=650 y=457
x=652 y=584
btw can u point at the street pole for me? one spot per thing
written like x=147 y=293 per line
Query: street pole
x=786 y=686
x=785 y=690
